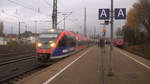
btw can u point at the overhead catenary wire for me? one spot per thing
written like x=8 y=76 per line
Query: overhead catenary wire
x=30 y=5
x=27 y=7
x=17 y=17
x=48 y=3
x=31 y=8
x=20 y=5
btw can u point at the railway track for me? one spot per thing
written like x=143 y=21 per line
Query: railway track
x=16 y=67
x=16 y=60
x=16 y=56
x=14 y=70
x=21 y=71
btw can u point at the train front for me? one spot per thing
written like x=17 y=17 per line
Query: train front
x=119 y=41
x=45 y=45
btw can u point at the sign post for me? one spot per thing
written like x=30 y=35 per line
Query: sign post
x=106 y=14
x=102 y=45
x=110 y=73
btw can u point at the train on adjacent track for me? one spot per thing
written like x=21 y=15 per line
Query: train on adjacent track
x=119 y=41
x=57 y=43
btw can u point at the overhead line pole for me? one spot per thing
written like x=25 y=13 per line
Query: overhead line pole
x=35 y=27
x=54 y=15
x=64 y=20
x=26 y=28
x=85 y=22
x=19 y=30
x=11 y=29
x=64 y=14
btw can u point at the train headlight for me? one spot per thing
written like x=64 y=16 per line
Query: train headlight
x=39 y=44
x=51 y=30
x=52 y=44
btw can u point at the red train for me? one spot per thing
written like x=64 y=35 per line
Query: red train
x=58 y=43
x=119 y=41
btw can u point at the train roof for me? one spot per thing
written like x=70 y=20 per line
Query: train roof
x=75 y=35
x=59 y=31
x=53 y=31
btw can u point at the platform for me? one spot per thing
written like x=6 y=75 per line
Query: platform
x=85 y=68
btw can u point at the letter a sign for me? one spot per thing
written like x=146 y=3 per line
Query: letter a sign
x=103 y=14
x=120 y=13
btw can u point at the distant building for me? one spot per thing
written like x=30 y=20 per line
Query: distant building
x=1 y=28
x=27 y=34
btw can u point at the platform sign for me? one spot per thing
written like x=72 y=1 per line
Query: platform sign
x=104 y=14
x=120 y=13
x=104 y=30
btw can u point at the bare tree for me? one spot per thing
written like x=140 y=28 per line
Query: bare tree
x=143 y=14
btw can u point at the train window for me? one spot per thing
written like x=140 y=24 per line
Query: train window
x=63 y=42
x=80 y=43
x=67 y=41
x=71 y=41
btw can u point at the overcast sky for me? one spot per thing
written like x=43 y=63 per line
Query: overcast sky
x=27 y=11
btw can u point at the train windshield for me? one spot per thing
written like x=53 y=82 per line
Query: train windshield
x=120 y=38
x=48 y=37
x=47 y=41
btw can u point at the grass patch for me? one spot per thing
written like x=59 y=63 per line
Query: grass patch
x=143 y=49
